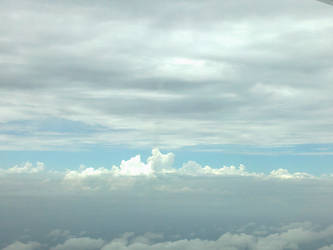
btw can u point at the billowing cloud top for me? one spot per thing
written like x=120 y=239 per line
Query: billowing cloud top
x=158 y=167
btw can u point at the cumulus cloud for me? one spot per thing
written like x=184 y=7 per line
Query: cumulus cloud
x=159 y=164
x=136 y=173
x=26 y=168
x=193 y=168
x=156 y=164
x=83 y=243
x=23 y=246
x=303 y=236
x=284 y=174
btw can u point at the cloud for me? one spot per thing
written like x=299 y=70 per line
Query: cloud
x=134 y=171
x=284 y=174
x=83 y=243
x=57 y=234
x=327 y=1
x=159 y=161
x=195 y=169
x=146 y=76
x=26 y=168
x=23 y=246
x=192 y=206
x=293 y=236
x=330 y=247
x=156 y=163
x=159 y=164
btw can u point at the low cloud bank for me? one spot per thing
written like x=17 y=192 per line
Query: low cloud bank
x=26 y=168
x=155 y=196
x=163 y=164
x=156 y=164
x=157 y=167
x=293 y=236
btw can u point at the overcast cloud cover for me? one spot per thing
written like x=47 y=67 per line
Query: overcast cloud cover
x=165 y=73
x=238 y=77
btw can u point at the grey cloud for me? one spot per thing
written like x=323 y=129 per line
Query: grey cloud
x=293 y=236
x=121 y=65
x=326 y=1
x=57 y=234
x=83 y=243
x=326 y=247
x=296 y=238
x=23 y=246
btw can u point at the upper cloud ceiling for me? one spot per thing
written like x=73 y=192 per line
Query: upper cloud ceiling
x=167 y=73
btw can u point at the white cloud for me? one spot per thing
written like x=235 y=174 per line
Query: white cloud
x=83 y=243
x=26 y=168
x=157 y=168
x=157 y=165
x=135 y=173
x=284 y=174
x=23 y=246
x=86 y=173
x=161 y=162
x=193 y=168
x=157 y=162
x=133 y=167
x=294 y=236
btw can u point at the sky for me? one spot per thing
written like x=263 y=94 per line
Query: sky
x=166 y=124
x=237 y=79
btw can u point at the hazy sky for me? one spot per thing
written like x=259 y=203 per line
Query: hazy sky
x=237 y=95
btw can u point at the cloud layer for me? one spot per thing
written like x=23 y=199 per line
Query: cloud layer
x=137 y=73
x=293 y=236
x=158 y=164
x=193 y=206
